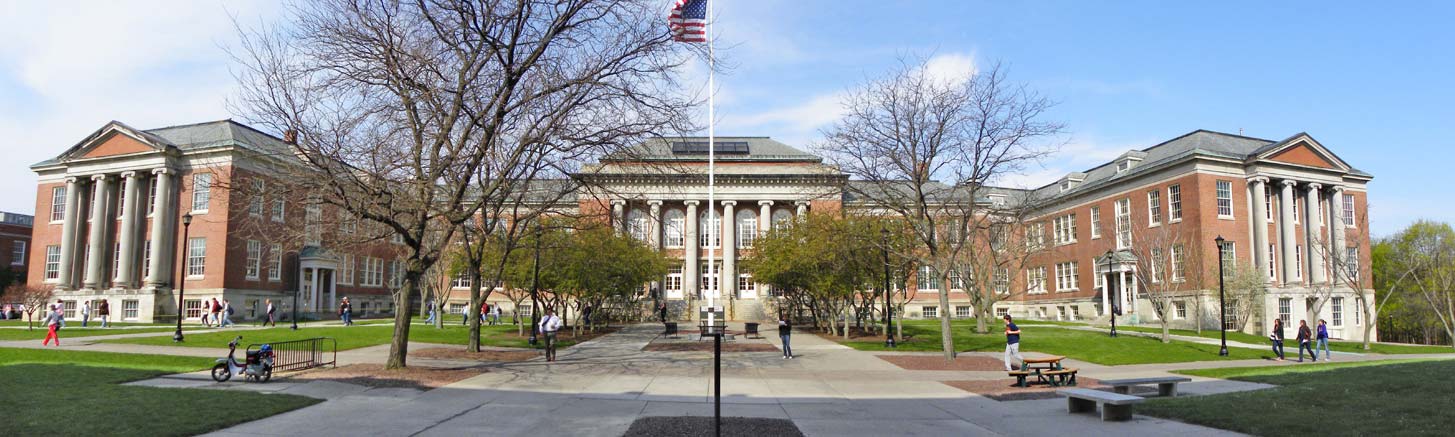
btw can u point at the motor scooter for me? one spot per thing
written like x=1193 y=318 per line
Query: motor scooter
x=258 y=366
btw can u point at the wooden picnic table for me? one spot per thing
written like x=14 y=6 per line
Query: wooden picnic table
x=1048 y=370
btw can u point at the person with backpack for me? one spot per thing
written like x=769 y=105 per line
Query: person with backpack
x=346 y=312
x=1323 y=337
x=216 y=309
x=103 y=312
x=495 y=314
x=271 y=310
x=225 y=314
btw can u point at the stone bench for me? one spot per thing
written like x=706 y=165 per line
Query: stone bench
x=1166 y=385
x=1115 y=407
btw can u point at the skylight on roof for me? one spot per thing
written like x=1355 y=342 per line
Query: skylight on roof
x=700 y=147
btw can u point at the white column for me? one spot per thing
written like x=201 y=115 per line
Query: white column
x=729 y=274
x=1311 y=232
x=765 y=216
x=1105 y=290
x=70 y=228
x=690 y=275
x=1290 y=244
x=1260 y=225
x=656 y=217
x=99 y=245
x=126 y=277
x=618 y=215
x=802 y=208
x=1336 y=205
x=162 y=232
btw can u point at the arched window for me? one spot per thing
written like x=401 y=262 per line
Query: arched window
x=782 y=219
x=675 y=228
x=747 y=228
x=710 y=229
x=637 y=225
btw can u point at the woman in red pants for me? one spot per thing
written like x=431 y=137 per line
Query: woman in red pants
x=54 y=321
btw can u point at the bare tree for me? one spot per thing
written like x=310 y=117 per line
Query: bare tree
x=31 y=297
x=996 y=247
x=903 y=133
x=1162 y=272
x=1245 y=287
x=398 y=106
x=1346 y=271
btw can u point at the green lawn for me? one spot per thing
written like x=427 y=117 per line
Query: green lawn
x=1336 y=346
x=1076 y=344
x=54 y=392
x=1370 y=398
x=349 y=337
x=75 y=322
x=74 y=331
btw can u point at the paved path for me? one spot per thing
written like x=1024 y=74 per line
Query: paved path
x=599 y=387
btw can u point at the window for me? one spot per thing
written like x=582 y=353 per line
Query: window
x=1225 y=199
x=255 y=204
x=746 y=284
x=255 y=259
x=1338 y=311
x=312 y=218
x=115 y=261
x=69 y=309
x=1066 y=277
x=279 y=209
x=457 y=308
x=1075 y=313
x=196 y=256
x=1298 y=261
x=1229 y=253
x=58 y=204
x=1060 y=313
x=1036 y=236
x=927 y=280
x=637 y=225
x=674 y=279
x=1179 y=309
x=1295 y=210
x=1272 y=273
x=782 y=219
x=1174 y=202
x=347 y=269
x=1124 y=223
x=372 y=272
x=710 y=233
x=1098 y=278
x=1349 y=211
x=1065 y=229
x=1124 y=165
x=962 y=311
x=524 y=311
x=1095 y=222
x=1179 y=272
x=275 y=267
x=129 y=309
x=747 y=228
x=152 y=194
x=929 y=312
x=346 y=223
x=193 y=309
x=1002 y=280
x=1268 y=201
x=396 y=273
x=1154 y=263
x=461 y=281
x=146 y=258
x=1357 y=308
x=1154 y=208
x=52 y=262
x=711 y=274
x=1285 y=310
x=17 y=252
x=956 y=281
x=1351 y=256
x=1036 y=280
x=675 y=225
x=1002 y=312
x=201 y=191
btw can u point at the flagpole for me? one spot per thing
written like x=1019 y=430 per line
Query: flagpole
x=711 y=173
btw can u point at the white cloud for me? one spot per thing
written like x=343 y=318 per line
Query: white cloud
x=1079 y=154
x=951 y=68
x=67 y=70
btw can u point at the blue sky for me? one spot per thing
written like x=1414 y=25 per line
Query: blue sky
x=1369 y=81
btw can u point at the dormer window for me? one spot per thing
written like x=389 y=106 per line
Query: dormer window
x=1124 y=165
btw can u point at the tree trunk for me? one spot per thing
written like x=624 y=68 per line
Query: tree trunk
x=847 y=310
x=1368 y=322
x=947 y=337
x=474 y=345
x=981 y=320
x=1166 y=333
x=399 y=344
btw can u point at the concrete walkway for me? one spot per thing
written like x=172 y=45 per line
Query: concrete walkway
x=599 y=387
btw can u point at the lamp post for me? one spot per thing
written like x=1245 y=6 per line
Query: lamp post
x=295 y=307
x=1222 y=301
x=181 y=283
x=535 y=283
x=888 y=298
x=1109 y=293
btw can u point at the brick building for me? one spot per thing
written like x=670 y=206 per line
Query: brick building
x=15 y=230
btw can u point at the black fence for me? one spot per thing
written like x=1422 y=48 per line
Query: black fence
x=302 y=354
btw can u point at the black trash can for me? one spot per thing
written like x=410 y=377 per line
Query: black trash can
x=750 y=329
x=671 y=329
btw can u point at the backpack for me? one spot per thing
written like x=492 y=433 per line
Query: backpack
x=229 y=311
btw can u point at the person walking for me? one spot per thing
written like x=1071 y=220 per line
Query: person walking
x=270 y=311
x=216 y=310
x=495 y=314
x=549 y=324
x=586 y=315
x=1012 y=343
x=785 y=332
x=225 y=314
x=54 y=320
x=346 y=312
x=1277 y=337
x=430 y=304
x=662 y=312
x=85 y=313
x=1305 y=341
x=103 y=312
x=1323 y=337
x=484 y=313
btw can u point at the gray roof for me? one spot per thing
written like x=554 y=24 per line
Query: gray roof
x=758 y=149
x=195 y=136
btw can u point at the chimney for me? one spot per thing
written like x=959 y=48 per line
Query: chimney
x=290 y=136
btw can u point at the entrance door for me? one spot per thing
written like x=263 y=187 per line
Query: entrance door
x=325 y=285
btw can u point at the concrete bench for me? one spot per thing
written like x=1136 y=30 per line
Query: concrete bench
x=1114 y=407
x=1166 y=385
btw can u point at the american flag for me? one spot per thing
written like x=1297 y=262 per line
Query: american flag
x=688 y=21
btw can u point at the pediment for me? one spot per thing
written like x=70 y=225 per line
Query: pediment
x=114 y=139
x=116 y=144
x=1302 y=150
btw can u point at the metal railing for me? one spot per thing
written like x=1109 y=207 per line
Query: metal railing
x=302 y=354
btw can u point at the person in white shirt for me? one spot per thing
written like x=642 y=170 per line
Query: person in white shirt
x=495 y=315
x=85 y=313
x=549 y=325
